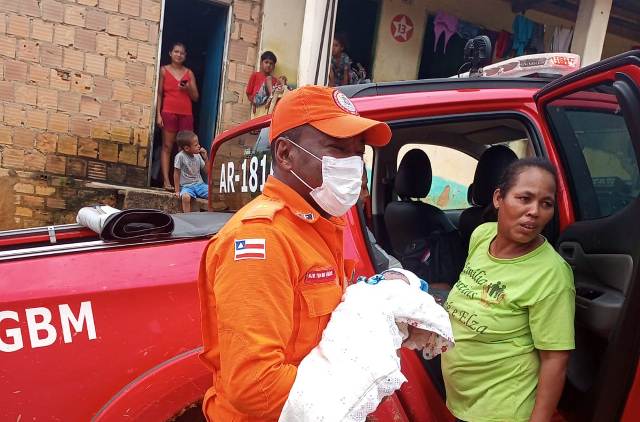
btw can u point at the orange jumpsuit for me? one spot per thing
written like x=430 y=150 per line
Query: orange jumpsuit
x=264 y=311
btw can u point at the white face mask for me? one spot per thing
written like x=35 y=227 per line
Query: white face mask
x=341 y=183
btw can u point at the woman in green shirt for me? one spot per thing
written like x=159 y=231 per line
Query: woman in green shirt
x=512 y=308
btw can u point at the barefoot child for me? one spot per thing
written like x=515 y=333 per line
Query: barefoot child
x=188 y=164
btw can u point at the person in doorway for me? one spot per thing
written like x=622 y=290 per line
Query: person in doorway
x=512 y=309
x=340 y=71
x=270 y=278
x=177 y=89
x=263 y=85
x=188 y=166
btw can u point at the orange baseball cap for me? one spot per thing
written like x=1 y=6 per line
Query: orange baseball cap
x=328 y=110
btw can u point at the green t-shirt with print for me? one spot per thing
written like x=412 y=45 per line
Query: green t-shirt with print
x=501 y=311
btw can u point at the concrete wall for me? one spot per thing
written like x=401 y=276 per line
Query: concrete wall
x=282 y=33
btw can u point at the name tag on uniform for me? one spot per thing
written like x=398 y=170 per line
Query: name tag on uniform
x=321 y=275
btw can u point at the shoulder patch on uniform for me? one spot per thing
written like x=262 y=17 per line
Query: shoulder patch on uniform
x=264 y=209
x=250 y=249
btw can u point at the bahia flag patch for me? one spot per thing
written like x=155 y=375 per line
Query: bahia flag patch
x=250 y=249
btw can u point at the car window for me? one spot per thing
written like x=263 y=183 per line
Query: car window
x=452 y=174
x=240 y=167
x=597 y=150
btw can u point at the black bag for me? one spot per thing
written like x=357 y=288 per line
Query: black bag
x=437 y=259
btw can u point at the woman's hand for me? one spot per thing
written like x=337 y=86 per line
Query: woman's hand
x=159 y=121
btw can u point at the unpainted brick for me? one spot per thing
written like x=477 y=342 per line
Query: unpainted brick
x=130 y=7
x=138 y=29
x=142 y=157
x=7 y=91
x=154 y=33
x=94 y=63
x=80 y=126
x=136 y=72
x=131 y=113
x=150 y=78
x=108 y=151
x=69 y=102
x=96 y=170
x=41 y=30
x=34 y=160
x=74 y=15
x=51 y=56
x=243 y=73
x=127 y=49
x=28 y=50
x=47 y=98
x=242 y=10
x=52 y=11
x=14 y=115
x=58 y=122
x=90 y=106
x=110 y=5
x=88 y=147
x=7 y=46
x=100 y=129
x=60 y=79
x=18 y=26
x=55 y=164
x=31 y=202
x=252 y=56
x=128 y=154
x=122 y=92
x=237 y=51
x=121 y=133
x=150 y=10
x=6 y=135
x=76 y=167
x=24 y=137
x=37 y=119
x=24 y=187
x=46 y=142
x=13 y=158
x=23 y=212
x=26 y=94
x=29 y=8
x=106 y=44
x=56 y=203
x=102 y=87
x=45 y=190
x=88 y=2
x=116 y=69
x=67 y=144
x=141 y=136
x=15 y=70
x=147 y=53
x=11 y=5
x=117 y=25
x=143 y=95
x=249 y=32
x=239 y=113
x=255 y=13
x=38 y=75
x=136 y=176
x=85 y=40
x=81 y=83
x=64 y=35
x=3 y=24
x=111 y=110
x=73 y=59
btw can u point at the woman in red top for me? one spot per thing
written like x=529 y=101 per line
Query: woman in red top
x=176 y=90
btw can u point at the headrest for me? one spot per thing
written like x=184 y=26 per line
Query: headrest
x=491 y=165
x=414 y=175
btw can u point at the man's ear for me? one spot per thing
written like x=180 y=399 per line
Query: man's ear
x=282 y=148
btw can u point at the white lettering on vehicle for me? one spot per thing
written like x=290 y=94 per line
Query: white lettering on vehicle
x=42 y=332
x=254 y=175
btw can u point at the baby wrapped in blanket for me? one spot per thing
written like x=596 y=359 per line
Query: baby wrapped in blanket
x=356 y=363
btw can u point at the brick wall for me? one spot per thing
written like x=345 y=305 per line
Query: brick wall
x=76 y=99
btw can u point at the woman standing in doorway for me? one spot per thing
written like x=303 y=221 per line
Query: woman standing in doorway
x=512 y=309
x=177 y=88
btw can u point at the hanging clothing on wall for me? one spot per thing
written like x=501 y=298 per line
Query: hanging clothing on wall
x=522 y=33
x=503 y=44
x=444 y=24
x=467 y=30
x=561 y=40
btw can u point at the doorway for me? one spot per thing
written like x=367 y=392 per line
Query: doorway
x=201 y=25
x=357 y=22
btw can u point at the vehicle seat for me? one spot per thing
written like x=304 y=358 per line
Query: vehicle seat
x=409 y=220
x=490 y=167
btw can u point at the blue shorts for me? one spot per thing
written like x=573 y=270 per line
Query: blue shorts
x=196 y=190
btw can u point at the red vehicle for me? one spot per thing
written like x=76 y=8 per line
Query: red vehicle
x=106 y=332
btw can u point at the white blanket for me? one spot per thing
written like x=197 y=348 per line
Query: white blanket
x=94 y=217
x=356 y=363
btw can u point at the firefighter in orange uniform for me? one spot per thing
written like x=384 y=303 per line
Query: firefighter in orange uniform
x=271 y=277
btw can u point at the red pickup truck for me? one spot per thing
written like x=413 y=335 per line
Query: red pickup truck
x=108 y=332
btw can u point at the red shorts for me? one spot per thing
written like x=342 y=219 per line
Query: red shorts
x=176 y=122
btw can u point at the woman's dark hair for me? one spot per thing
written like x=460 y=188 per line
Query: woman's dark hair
x=268 y=55
x=341 y=39
x=178 y=44
x=510 y=177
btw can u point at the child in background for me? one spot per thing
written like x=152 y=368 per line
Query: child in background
x=188 y=164
x=340 y=71
x=263 y=84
